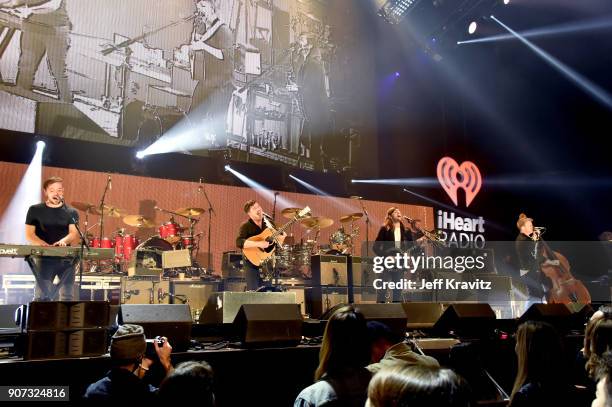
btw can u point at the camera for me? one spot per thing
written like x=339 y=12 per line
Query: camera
x=150 y=350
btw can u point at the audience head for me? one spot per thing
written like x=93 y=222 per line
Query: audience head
x=403 y=385
x=603 y=392
x=345 y=342
x=127 y=350
x=539 y=350
x=381 y=338
x=189 y=380
x=597 y=338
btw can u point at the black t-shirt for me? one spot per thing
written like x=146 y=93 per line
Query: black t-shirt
x=51 y=223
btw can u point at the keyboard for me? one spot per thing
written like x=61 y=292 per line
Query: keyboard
x=17 y=250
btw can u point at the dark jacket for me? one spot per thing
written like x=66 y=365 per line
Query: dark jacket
x=120 y=385
x=387 y=235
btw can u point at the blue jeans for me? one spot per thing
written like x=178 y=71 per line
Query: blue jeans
x=45 y=270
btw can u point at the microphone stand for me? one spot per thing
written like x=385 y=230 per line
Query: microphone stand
x=102 y=208
x=210 y=213
x=83 y=245
x=367 y=220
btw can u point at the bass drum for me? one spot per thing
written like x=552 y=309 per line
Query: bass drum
x=155 y=243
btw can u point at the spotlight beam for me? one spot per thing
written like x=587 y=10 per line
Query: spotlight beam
x=267 y=193
x=546 y=31
x=416 y=182
x=589 y=87
x=337 y=201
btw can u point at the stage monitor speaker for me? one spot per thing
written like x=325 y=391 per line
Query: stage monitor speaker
x=269 y=325
x=392 y=315
x=422 y=315
x=170 y=320
x=558 y=315
x=466 y=319
x=223 y=307
x=54 y=344
x=49 y=315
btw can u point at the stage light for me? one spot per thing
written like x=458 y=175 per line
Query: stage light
x=141 y=154
x=227 y=167
x=336 y=201
x=586 y=85
x=559 y=29
x=506 y=2
x=394 y=11
x=472 y=27
x=397 y=74
x=12 y=229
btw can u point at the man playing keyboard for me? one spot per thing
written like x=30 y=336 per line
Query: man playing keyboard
x=52 y=223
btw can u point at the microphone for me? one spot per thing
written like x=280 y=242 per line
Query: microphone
x=61 y=199
x=410 y=219
x=157 y=208
x=110 y=183
x=539 y=229
x=266 y=215
x=356 y=197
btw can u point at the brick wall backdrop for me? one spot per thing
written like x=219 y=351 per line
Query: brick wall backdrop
x=139 y=195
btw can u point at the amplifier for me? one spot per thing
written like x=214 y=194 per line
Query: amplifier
x=231 y=265
x=194 y=293
x=223 y=307
x=144 y=291
x=329 y=270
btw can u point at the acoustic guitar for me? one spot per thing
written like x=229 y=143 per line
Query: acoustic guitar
x=275 y=237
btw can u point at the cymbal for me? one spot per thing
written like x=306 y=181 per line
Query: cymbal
x=139 y=221
x=317 y=222
x=84 y=206
x=190 y=212
x=290 y=212
x=351 y=217
x=109 y=210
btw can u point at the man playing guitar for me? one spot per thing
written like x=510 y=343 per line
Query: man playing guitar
x=252 y=227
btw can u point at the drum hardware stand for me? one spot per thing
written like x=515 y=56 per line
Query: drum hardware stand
x=210 y=214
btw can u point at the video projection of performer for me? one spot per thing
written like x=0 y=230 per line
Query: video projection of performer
x=285 y=81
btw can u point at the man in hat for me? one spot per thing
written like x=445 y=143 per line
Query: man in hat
x=389 y=348
x=129 y=364
x=530 y=257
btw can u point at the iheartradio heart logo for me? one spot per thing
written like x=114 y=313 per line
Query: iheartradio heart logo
x=453 y=176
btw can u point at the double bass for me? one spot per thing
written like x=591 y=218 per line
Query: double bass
x=565 y=288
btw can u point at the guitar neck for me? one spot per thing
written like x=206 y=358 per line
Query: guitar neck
x=282 y=228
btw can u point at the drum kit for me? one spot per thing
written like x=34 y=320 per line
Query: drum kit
x=171 y=235
x=294 y=259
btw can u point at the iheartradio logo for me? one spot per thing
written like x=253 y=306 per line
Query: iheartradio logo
x=453 y=176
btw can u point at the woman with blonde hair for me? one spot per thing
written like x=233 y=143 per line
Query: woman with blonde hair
x=418 y=386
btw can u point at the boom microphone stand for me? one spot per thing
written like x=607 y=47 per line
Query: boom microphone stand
x=210 y=213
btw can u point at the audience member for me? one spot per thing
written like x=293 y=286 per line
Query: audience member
x=542 y=377
x=408 y=385
x=597 y=338
x=189 y=381
x=388 y=348
x=341 y=377
x=603 y=393
x=124 y=382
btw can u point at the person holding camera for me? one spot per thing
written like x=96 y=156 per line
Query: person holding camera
x=129 y=364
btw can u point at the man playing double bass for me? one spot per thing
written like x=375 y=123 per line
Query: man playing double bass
x=530 y=259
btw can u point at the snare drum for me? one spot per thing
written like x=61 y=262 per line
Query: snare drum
x=170 y=232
